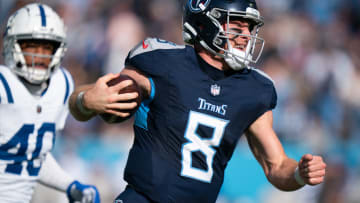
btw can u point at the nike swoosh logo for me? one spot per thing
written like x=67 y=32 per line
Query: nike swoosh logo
x=145 y=45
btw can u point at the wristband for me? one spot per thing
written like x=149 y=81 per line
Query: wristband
x=79 y=104
x=298 y=178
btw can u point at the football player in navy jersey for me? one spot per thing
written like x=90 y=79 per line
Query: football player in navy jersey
x=34 y=94
x=198 y=100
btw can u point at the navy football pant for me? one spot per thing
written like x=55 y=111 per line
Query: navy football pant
x=131 y=196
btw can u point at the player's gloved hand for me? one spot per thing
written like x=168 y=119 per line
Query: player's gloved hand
x=81 y=193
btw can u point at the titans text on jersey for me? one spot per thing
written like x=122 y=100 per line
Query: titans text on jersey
x=186 y=132
x=204 y=105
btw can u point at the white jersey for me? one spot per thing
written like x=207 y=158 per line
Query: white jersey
x=27 y=130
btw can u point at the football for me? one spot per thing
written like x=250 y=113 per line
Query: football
x=134 y=87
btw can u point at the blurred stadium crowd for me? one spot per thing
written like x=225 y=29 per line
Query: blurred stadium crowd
x=312 y=53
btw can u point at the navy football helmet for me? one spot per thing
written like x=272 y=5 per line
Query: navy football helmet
x=203 y=22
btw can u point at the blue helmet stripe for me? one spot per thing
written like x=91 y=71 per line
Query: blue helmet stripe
x=67 y=85
x=7 y=89
x=43 y=16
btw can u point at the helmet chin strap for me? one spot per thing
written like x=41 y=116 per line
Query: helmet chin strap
x=236 y=58
x=37 y=76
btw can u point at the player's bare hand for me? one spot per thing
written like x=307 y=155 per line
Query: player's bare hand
x=101 y=97
x=312 y=169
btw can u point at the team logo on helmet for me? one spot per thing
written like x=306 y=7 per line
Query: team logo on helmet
x=198 y=5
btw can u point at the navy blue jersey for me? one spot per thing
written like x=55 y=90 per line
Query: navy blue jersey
x=186 y=132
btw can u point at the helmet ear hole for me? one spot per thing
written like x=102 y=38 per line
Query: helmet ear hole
x=218 y=42
x=18 y=64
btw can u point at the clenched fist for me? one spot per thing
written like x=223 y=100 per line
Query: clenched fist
x=311 y=170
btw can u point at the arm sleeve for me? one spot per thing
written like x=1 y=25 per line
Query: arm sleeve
x=53 y=176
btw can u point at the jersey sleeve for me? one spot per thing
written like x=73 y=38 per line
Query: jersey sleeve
x=267 y=89
x=268 y=100
x=69 y=88
x=273 y=100
x=2 y=90
x=153 y=56
x=267 y=96
x=5 y=90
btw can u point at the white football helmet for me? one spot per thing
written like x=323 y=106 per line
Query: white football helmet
x=33 y=21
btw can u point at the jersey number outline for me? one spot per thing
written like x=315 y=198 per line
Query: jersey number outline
x=21 y=138
x=205 y=146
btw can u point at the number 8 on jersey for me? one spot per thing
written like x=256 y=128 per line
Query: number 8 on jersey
x=196 y=143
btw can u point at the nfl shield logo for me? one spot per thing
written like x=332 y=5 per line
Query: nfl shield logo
x=215 y=90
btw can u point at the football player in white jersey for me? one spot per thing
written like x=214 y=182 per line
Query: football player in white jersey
x=34 y=93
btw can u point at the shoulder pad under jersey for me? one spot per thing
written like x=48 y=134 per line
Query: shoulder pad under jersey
x=263 y=74
x=151 y=44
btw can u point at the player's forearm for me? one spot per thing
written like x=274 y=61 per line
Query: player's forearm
x=283 y=177
x=52 y=175
x=75 y=102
